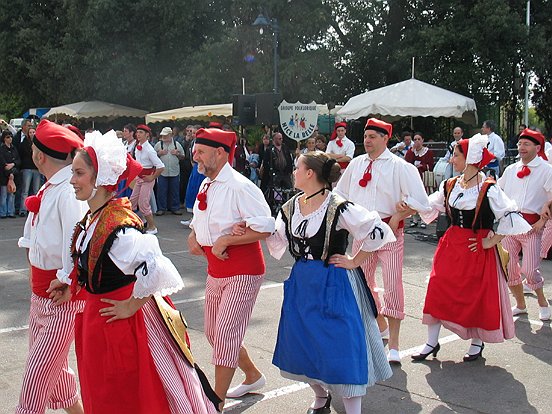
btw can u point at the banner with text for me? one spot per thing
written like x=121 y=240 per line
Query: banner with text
x=298 y=120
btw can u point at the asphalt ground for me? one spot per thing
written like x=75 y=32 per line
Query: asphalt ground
x=513 y=377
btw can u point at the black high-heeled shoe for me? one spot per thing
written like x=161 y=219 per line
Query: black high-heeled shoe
x=421 y=357
x=326 y=409
x=470 y=357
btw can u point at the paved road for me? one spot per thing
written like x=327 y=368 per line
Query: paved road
x=511 y=378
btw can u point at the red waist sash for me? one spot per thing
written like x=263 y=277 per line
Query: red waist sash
x=343 y=164
x=40 y=282
x=388 y=219
x=531 y=218
x=147 y=171
x=244 y=259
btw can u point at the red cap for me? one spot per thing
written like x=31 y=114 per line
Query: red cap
x=215 y=125
x=56 y=141
x=380 y=126
x=144 y=128
x=75 y=130
x=215 y=138
x=337 y=125
x=537 y=138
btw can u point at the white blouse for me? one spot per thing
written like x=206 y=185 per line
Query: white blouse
x=358 y=221
x=130 y=250
x=466 y=199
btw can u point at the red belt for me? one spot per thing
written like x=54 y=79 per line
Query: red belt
x=147 y=171
x=387 y=219
x=40 y=282
x=244 y=259
x=343 y=164
x=531 y=218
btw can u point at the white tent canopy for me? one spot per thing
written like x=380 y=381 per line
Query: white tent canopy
x=191 y=112
x=93 y=110
x=410 y=98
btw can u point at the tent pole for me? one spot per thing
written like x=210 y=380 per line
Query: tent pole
x=413 y=58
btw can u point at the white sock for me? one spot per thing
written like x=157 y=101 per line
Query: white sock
x=432 y=337
x=320 y=396
x=474 y=349
x=352 y=405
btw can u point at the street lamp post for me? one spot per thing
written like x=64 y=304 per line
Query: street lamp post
x=526 y=106
x=262 y=21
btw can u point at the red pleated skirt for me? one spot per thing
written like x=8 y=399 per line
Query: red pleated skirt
x=464 y=286
x=116 y=370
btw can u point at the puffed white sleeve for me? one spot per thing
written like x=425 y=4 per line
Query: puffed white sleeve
x=366 y=226
x=412 y=189
x=139 y=254
x=255 y=210
x=25 y=240
x=505 y=210
x=437 y=204
x=277 y=242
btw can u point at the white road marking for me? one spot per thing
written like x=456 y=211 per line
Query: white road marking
x=2 y=272
x=279 y=392
x=14 y=329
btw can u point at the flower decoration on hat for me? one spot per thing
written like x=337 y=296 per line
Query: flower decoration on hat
x=109 y=156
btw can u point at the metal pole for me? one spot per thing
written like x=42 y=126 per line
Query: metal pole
x=276 y=29
x=526 y=109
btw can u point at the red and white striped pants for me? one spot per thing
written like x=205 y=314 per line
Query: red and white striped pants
x=530 y=244
x=391 y=258
x=546 y=243
x=48 y=382
x=229 y=302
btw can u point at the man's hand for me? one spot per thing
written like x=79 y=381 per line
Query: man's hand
x=538 y=225
x=148 y=178
x=194 y=246
x=546 y=213
x=219 y=248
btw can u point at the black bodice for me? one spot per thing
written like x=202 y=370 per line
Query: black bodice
x=110 y=277
x=314 y=246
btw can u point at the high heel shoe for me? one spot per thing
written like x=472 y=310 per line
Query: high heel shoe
x=421 y=357
x=326 y=409
x=470 y=357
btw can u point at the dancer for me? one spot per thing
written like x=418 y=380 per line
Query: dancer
x=467 y=291
x=48 y=382
x=128 y=362
x=328 y=336
x=235 y=264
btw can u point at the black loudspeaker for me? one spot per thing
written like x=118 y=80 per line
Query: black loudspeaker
x=267 y=108
x=243 y=109
x=355 y=131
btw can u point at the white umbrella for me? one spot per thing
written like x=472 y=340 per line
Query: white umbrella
x=94 y=110
x=410 y=98
x=191 y=112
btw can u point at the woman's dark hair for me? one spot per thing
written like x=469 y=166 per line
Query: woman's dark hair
x=418 y=133
x=321 y=138
x=6 y=133
x=325 y=168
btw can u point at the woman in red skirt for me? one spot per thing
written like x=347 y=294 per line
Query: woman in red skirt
x=128 y=362
x=467 y=291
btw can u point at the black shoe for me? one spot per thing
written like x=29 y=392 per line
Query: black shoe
x=414 y=224
x=470 y=357
x=421 y=357
x=160 y=213
x=326 y=409
x=176 y=212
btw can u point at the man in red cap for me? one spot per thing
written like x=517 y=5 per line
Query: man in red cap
x=380 y=181
x=341 y=148
x=235 y=263
x=48 y=382
x=529 y=183
x=152 y=168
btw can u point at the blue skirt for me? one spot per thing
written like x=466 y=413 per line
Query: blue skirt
x=196 y=178
x=323 y=334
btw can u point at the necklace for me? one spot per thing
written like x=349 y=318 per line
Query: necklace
x=307 y=198
x=464 y=182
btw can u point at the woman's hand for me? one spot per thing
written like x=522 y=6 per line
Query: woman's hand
x=490 y=241
x=539 y=224
x=344 y=261
x=238 y=229
x=121 y=309
x=59 y=292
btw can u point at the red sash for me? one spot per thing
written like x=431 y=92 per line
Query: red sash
x=244 y=259
x=40 y=281
x=531 y=218
x=388 y=219
x=343 y=164
x=147 y=171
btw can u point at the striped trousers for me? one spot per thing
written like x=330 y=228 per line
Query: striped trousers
x=390 y=256
x=48 y=382
x=530 y=244
x=229 y=302
x=546 y=239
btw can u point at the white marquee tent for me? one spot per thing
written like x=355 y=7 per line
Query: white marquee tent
x=93 y=110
